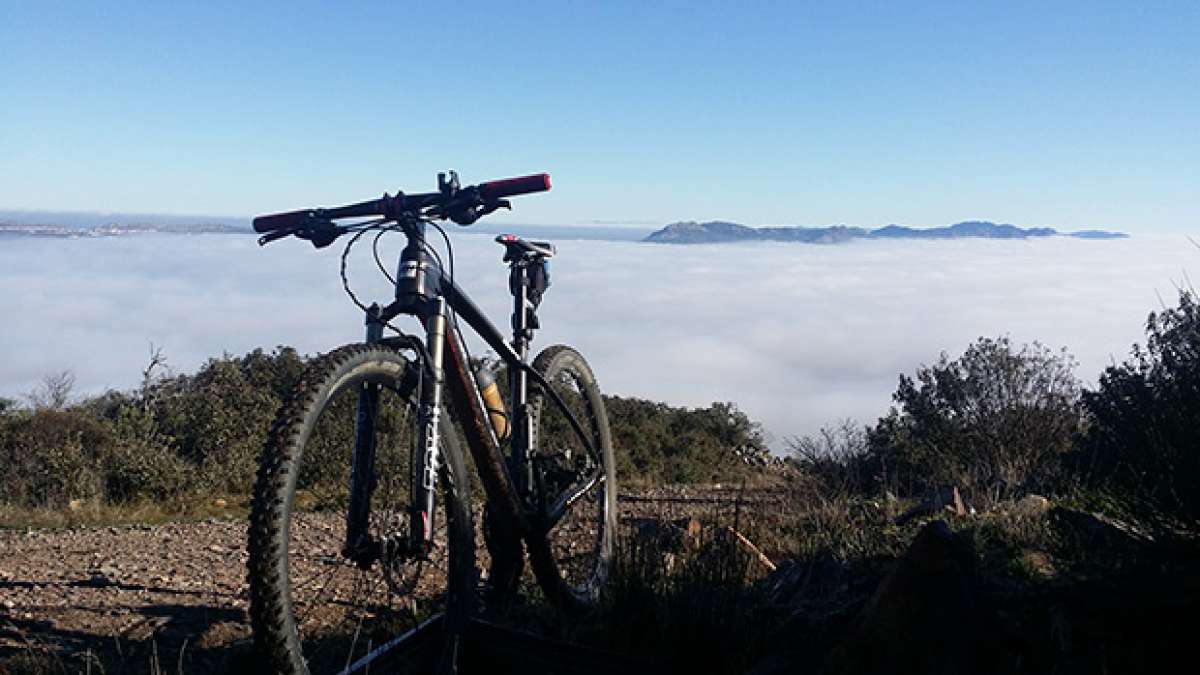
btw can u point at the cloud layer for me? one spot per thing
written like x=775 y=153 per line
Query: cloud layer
x=798 y=335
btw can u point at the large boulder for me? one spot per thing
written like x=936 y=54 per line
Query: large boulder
x=924 y=617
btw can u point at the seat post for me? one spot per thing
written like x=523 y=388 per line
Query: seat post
x=518 y=382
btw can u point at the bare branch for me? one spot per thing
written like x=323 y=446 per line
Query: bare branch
x=54 y=393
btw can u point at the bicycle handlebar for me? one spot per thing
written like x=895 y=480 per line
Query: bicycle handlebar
x=280 y=221
x=447 y=202
x=510 y=187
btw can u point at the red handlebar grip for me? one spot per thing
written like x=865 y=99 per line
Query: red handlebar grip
x=278 y=221
x=538 y=182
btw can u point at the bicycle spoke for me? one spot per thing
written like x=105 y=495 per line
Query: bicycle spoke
x=357 y=631
x=316 y=602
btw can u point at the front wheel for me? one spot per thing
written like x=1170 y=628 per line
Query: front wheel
x=316 y=604
x=574 y=482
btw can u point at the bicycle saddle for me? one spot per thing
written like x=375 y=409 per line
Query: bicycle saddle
x=516 y=248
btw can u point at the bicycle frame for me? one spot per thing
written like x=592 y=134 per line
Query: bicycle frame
x=424 y=291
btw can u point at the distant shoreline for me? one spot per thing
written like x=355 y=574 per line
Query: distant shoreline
x=64 y=232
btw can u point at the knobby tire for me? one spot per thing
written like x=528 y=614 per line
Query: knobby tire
x=273 y=617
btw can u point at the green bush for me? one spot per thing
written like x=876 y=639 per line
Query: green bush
x=203 y=432
x=50 y=456
x=173 y=435
x=219 y=417
x=657 y=443
x=837 y=458
x=141 y=462
x=1144 y=435
x=994 y=421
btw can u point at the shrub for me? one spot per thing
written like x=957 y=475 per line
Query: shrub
x=993 y=421
x=219 y=417
x=188 y=432
x=49 y=456
x=54 y=393
x=141 y=462
x=204 y=432
x=837 y=458
x=655 y=442
x=1144 y=434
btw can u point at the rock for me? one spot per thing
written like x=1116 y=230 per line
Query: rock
x=102 y=577
x=220 y=503
x=793 y=581
x=1100 y=530
x=946 y=499
x=668 y=536
x=923 y=617
x=1031 y=506
x=785 y=582
x=1038 y=564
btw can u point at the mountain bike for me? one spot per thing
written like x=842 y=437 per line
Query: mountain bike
x=348 y=551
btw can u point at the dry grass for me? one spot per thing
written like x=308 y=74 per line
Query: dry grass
x=693 y=607
x=95 y=513
x=23 y=655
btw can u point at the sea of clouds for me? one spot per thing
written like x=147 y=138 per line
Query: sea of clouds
x=799 y=336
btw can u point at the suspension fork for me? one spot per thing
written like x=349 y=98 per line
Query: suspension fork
x=358 y=545
x=427 y=455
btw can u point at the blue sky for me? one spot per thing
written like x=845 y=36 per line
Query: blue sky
x=1072 y=115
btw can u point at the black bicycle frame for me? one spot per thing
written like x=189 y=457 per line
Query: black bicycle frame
x=424 y=291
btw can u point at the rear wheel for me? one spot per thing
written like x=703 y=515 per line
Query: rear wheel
x=575 y=484
x=313 y=608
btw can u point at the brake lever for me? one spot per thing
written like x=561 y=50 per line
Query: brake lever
x=277 y=234
x=495 y=204
x=469 y=214
x=321 y=233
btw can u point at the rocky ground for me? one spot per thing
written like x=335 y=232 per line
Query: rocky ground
x=172 y=595
x=70 y=594
x=1027 y=586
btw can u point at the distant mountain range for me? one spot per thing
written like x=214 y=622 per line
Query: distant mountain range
x=717 y=231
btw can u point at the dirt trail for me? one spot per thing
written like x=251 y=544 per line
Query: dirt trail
x=150 y=592
x=64 y=592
